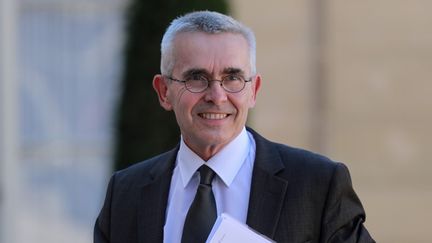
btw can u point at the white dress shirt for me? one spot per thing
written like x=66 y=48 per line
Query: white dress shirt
x=231 y=186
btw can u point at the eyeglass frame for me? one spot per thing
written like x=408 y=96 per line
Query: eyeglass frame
x=212 y=80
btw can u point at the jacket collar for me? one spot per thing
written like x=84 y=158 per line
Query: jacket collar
x=153 y=198
x=268 y=190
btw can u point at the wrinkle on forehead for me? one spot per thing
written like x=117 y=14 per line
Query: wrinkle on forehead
x=211 y=54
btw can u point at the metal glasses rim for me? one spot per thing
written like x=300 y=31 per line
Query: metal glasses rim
x=208 y=82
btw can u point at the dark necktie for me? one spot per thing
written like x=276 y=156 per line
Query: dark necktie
x=202 y=213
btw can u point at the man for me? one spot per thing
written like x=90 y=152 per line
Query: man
x=210 y=81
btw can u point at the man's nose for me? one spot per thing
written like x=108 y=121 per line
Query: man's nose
x=215 y=92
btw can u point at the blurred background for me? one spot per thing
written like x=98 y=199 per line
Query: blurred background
x=349 y=79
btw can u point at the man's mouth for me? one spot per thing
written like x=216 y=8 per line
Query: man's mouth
x=213 y=116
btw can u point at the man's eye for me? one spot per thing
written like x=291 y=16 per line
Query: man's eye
x=197 y=77
x=232 y=78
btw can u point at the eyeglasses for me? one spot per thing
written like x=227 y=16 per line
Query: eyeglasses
x=199 y=83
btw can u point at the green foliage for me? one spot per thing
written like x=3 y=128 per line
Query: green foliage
x=143 y=128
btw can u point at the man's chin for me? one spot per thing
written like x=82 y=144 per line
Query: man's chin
x=216 y=137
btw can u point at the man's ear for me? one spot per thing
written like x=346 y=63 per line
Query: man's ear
x=161 y=87
x=256 y=85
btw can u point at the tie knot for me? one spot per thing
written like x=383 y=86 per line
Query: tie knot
x=206 y=175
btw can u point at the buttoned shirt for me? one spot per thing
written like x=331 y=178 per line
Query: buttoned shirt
x=233 y=166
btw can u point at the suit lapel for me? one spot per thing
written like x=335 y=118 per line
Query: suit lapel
x=268 y=191
x=153 y=199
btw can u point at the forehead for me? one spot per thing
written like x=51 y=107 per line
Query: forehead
x=211 y=52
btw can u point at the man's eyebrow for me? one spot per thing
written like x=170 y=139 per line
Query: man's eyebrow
x=195 y=71
x=232 y=70
x=204 y=72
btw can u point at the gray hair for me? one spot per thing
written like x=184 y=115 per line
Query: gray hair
x=206 y=22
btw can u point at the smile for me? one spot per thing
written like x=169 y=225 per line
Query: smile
x=213 y=116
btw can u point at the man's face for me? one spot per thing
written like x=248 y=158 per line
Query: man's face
x=211 y=119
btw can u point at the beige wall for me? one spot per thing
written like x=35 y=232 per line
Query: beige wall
x=375 y=82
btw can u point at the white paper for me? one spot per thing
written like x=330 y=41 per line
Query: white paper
x=228 y=230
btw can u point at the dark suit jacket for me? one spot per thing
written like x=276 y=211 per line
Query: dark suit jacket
x=296 y=196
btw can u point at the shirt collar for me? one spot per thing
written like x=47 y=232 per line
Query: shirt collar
x=226 y=163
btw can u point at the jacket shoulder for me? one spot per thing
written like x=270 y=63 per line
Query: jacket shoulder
x=148 y=169
x=291 y=161
x=291 y=155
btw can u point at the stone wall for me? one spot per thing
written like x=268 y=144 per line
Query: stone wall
x=351 y=79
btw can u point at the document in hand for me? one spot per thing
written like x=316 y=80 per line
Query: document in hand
x=228 y=230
